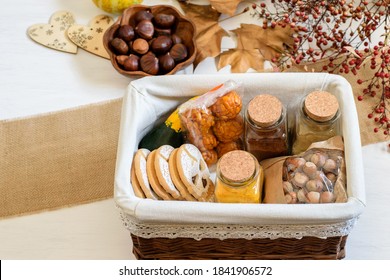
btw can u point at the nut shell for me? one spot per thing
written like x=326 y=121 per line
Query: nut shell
x=140 y=46
x=126 y=32
x=131 y=63
x=119 y=46
x=166 y=63
x=145 y=29
x=149 y=63
x=164 y=20
x=143 y=15
x=161 y=44
x=179 y=52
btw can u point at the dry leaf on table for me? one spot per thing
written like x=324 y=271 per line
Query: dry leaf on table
x=226 y=6
x=208 y=31
x=241 y=60
x=269 y=41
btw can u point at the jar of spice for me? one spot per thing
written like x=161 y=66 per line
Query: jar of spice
x=239 y=178
x=316 y=120
x=266 y=127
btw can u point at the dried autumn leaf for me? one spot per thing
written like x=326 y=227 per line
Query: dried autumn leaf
x=270 y=41
x=208 y=31
x=226 y=6
x=241 y=60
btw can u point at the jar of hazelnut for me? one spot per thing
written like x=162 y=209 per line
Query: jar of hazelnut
x=316 y=120
x=239 y=178
x=266 y=127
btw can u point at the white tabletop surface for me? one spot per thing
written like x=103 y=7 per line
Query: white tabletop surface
x=35 y=79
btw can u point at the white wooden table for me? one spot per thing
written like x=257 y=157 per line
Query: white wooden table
x=35 y=79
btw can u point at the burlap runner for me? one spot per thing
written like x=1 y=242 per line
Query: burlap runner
x=58 y=159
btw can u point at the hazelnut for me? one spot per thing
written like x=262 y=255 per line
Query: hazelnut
x=161 y=44
x=145 y=29
x=327 y=197
x=131 y=63
x=314 y=186
x=288 y=198
x=294 y=163
x=143 y=15
x=332 y=178
x=294 y=197
x=310 y=169
x=301 y=195
x=149 y=63
x=166 y=63
x=179 y=52
x=330 y=165
x=164 y=20
x=300 y=180
x=119 y=46
x=318 y=159
x=126 y=32
x=121 y=59
x=313 y=197
x=287 y=187
x=176 y=39
x=140 y=46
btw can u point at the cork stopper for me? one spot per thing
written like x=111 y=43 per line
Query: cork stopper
x=321 y=106
x=265 y=110
x=237 y=166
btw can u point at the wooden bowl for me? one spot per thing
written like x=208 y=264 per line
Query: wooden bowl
x=182 y=27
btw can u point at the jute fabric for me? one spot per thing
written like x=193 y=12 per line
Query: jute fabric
x=58 y=159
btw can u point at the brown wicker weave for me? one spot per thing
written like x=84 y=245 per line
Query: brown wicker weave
x=267 y=249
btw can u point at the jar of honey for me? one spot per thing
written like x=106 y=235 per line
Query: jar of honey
x=317 y=119
x=239 y=178
x=266 y=133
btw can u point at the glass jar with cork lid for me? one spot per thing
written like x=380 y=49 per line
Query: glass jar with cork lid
x=239 y=178
x=317 y=119
x=266 y=134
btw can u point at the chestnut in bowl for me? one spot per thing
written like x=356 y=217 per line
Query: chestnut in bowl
x=170 y=28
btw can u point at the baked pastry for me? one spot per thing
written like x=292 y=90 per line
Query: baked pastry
x=161 y=166
x=194 y=173
x=153 y=179
x=139 y=163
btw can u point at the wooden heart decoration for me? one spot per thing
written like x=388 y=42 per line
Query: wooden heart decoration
x=90 y=38
x=53 y=35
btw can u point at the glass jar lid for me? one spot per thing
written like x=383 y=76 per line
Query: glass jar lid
x=265 y=110
x=237 y=166
x=321 y=106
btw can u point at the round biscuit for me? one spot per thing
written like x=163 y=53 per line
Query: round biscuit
x=139 y=163
x=161 y=166
x=193 y=171
x=153 y=179
x=176 y=177
x=135 y=184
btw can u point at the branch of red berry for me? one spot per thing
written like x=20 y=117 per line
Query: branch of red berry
x=341 y=33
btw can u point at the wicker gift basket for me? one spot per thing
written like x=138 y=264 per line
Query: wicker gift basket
x=203 y=230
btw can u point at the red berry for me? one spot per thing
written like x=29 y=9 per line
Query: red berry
x=370 y=116
x=376 y=129
x=360 y=98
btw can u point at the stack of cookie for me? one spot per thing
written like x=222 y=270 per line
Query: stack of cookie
x=172 y=174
